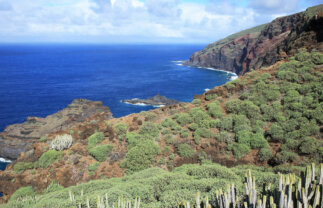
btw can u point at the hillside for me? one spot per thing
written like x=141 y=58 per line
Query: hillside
x=272 y=116
x=264 y=45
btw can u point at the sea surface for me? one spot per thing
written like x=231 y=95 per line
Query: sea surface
x=39 y=80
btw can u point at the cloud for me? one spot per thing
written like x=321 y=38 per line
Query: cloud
x=274 y=6
x=100 y=6
x=164 y=9
x=5 y=6
x=135 y=20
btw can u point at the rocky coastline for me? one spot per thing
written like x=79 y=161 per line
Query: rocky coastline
x=18 y=138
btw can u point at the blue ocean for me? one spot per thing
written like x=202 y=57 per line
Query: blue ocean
x=38 y=80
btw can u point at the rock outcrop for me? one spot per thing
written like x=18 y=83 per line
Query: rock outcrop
x=264 y=45
x=19 y=138
x=157 y=100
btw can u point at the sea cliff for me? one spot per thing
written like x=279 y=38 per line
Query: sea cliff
x=263 y=45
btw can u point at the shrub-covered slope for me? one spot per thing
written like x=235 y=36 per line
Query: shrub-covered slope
x=270 y=116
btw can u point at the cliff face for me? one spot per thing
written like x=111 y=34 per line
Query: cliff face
x=19 y=138
x=264 y=45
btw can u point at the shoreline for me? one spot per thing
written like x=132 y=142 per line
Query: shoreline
x=3 y=160
x=234 y=75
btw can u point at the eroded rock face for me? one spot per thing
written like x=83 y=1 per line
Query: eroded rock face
x=19 y=138
x=263 y=46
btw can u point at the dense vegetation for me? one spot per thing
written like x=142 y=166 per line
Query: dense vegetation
x=155 y=187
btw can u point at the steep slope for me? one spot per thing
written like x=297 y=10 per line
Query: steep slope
x=264 y=45
x=272 y=116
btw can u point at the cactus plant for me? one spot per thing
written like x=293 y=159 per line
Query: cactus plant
x=292 y=192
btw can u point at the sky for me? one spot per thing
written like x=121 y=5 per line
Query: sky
x=136 y=21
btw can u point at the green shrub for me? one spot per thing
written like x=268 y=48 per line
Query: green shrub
x=101 y=152
x=169 y=139
x=184 y=133
x=149 y=130
x=276 y=132
x=272 y=93
x=47 y=158
x=240 y=150
x=233 y=106
x=265 y=154
x=226 y=123
x=229 y=86
x=224 y=136
x=249 y=109
x=258 y=141
x=133 y=139
x=244 y=96
x=286 y=156
x=166 y=150
x=210 y=96
x=265 y=76
x=240 y=120
x=244 y=137
x=165 y=131
x=214 y=109
x=203 y=132
x=22 y=166
x=121 y=128
x=199 y=116
x=43 y=139
x=317 y=58
x=95 y=138
x=92 y=168
x=185 y=150
x=141 y=156
x=212 y=123
x=243 y=127
x=52 y=187
x=183 y=119
x=150 y=116
x=302 y=56
x=193 y=126
x=168 y=122
x=309 y=146
x=22 y=192
x=197 y=102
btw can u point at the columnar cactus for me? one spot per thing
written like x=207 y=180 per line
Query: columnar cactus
x=305 y=192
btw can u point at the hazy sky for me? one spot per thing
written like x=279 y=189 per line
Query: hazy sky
x=136 y=21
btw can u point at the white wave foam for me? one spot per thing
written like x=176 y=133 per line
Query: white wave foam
x=143 y=104
x=178 y=61
x=206 y=89
x=228 y=72
x=4 y=160
x=234 y=77
x=179 y=64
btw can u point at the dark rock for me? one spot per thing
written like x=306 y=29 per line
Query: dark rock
x=19 y=138
x=157 y=100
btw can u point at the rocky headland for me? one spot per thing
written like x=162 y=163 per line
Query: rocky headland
x=157 y=100
x=263 y=45
x=18 y=138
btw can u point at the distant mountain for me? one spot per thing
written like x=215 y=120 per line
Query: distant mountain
x=265 y=44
